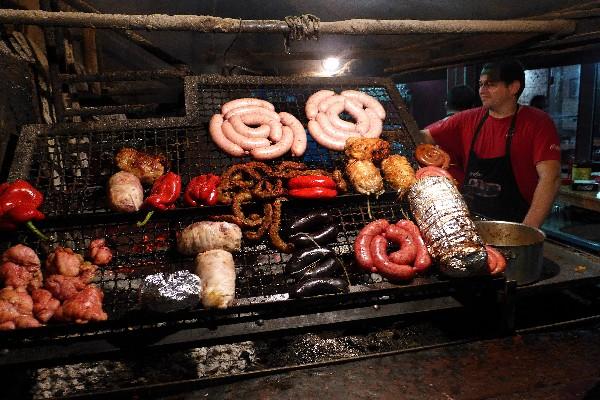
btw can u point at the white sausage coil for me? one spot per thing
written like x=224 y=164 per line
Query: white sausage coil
x=323 y=111
x=251 y=126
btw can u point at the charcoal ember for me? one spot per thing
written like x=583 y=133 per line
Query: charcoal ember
x=447 y=228
x=170 y=292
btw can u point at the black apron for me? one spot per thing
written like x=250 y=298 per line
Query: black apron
x=490 y=188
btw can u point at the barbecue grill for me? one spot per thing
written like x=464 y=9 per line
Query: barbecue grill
x=71 y=164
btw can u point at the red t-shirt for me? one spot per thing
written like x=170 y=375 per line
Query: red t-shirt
x=535 y=139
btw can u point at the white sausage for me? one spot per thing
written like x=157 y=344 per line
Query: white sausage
x=333 y=113
x=376 y=124
x=217 y=274
x=275 y=131
x=215 y=128
x=252 y=110
x=276 y=150
x=356 y=111
x=367 y=101
x=332 y=131
x=330 y=101
x=312 y=104
x=323 y=139
x=230 y=105
x=240 y=124
x=299 y=145
x=245 y=142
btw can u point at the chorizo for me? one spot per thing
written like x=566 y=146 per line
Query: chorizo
x=423 y=259
x=312 y=104
x=245 y=102
x=362 y=243
x=384 y=265
x=408 y=247
x=215 y=128
x=367 y=102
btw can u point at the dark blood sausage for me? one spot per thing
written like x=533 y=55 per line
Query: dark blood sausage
x=322 y=237
x=404 y=239
x=362 y=243
x=318 y=286
x=496 y=261
x=423 y=259
x=310 y=222
x=324 y=268
x=383 y=264
x=302 y=259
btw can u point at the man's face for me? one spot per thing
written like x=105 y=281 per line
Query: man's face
x=495 y=94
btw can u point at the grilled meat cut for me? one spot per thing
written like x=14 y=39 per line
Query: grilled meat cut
x=208 y=235
x=125 y=192
x=217 y=273
x=398 y=172
x=364 y=176
x=361 y=148
x=146 y=167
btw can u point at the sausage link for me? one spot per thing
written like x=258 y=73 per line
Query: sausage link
x=383 y=264
x=245 y=102
x=275 y=131
x=330 y=101
x=375 y=125
x=252 y=110
x=496 y=261
x=299 y=145
x=276 y=150
x=324 y=139
x=215 y=129
x=240 y=124
x=360 y=116
x=408 y=247
x=367 y=101
x=333 y=113
x=245 y=142
x=331 y=130
x=312 y=104
x=423 y=259
x=362 y=243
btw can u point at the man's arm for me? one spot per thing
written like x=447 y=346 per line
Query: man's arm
x=425 y=137
x=545 y=191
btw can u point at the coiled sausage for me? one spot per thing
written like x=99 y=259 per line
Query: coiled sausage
x=384 y=265
x=362 y=243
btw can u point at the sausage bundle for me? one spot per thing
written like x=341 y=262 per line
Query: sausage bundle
x=450 y=234
x=251 y=126
x=323 y=110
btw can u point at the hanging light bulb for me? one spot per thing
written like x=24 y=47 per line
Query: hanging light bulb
x=331 y=65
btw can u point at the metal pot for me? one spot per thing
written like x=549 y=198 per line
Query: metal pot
x=522 y=246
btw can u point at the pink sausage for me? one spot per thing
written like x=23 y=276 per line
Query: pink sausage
x=367 y=101
x=356 y=111
x=244 y=102
x=375 y=124
x=408 y=247
x=240 y=124
x=384 y=265
x=275 y=131
x=332 y=131
x=245 y=142
x=323 y=139
x=423 y=259
x=362 y=243
x=330 y=101
x=252 y=110
x=312 y=104
x=215 y=128
x=276 y=150
x=299 y=144
x=333 y=113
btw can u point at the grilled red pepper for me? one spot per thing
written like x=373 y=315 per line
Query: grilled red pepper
x=202 y=190
x=313 y=193
x=19 y=203
x=163 y=195
x=308 y=181
x=312 y=187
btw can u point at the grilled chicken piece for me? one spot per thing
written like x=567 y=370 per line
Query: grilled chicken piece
x=64 y=261
x=44 y=305
x=21 y=268
x=146 y=167
x=398 y=172
x=125 y=192
x=217 y=273
x=85 y=306
x=99 y=252
x=16 y=309
x=365 y=177
x=373 y=149
x=64 y=287
x=208 y=235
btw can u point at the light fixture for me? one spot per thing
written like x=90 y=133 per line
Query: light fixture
x=331 y=65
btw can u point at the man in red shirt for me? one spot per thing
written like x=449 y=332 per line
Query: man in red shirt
x=505 y=156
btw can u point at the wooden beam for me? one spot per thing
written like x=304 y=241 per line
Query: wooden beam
x=205 y=23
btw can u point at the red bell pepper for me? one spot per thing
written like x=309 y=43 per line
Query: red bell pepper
x=202 y=190
x=163 y=195
x=307 y=181
x=19 y=203
x=312 y=187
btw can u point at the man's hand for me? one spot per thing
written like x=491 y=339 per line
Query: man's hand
x=425 y=137
x=545 y=192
